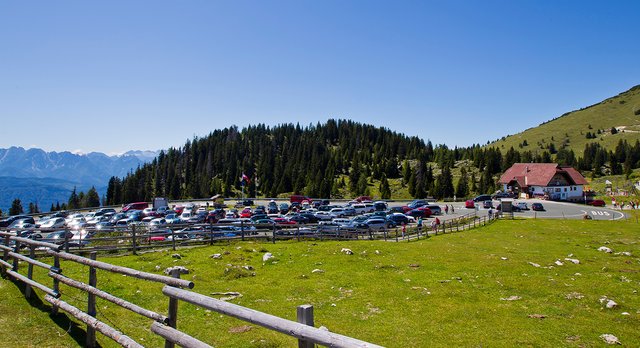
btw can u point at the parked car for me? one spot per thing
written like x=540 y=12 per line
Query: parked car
x=135 y=206
x=414 y=204
x=376 y=224
x=6 y=222
x=56 y=237
x=380 y=206
x=398 y=218
x=482 y=198
x=52 y=223
x=487 y=204
x=435 y=209
x=420 y=212
x=521 y=206
x=337 y=213
x=245 y=213
x=470 y=204
x=537 y=207
x=596 y=203
x=299 y=199
x=284 y=208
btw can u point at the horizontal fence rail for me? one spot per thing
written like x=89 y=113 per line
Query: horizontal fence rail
x=126 y=271
x=96 y=324
x=269 y=321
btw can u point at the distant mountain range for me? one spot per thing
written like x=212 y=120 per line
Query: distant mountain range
x=34 y=175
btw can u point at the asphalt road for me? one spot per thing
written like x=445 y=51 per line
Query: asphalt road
x=553 y=210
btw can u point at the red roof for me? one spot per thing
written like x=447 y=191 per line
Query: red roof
x=540 y=174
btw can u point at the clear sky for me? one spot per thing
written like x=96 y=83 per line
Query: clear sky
x=113 y=76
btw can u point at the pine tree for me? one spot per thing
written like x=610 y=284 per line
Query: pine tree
x=92 y=198
x=385 y=190
x=73 y=202
x=16 y=207
x=462 y=188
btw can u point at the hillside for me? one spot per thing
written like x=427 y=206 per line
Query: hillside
x=570 y=130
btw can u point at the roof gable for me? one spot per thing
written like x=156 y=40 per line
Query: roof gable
x=540 y=174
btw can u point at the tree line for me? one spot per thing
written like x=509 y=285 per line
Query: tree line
x=331 y=160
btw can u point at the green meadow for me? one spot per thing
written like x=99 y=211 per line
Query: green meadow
x=508 y=284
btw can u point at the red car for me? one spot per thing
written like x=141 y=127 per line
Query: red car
x=245 y=213
x=283 y=221
x=596 y=203
x=470 y=204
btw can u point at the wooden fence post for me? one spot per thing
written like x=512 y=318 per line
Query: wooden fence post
x=32 y=255
x=56 y=282
x=91 y=303
x=305 y=316
x=133 y=239
x=7 y=240
x=172 y=315
x=274 y=234
x=16 y=248
x=66 y=240
x=242 y=229
x=173 y=239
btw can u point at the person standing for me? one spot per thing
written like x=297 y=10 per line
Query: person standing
x=452 y=209
x=446 y=209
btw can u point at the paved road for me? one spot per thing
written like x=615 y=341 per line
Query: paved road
x=553 y=210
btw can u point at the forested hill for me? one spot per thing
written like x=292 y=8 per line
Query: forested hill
x=287 y=158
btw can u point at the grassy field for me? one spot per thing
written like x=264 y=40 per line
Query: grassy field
x=449 y=290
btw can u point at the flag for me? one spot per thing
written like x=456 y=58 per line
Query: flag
x=244 y=180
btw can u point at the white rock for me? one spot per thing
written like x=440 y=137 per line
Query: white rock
x=216 y=256
x=158 y=267
x=266 y=257
x=576 y=261
x=610 y=339
x=180 y=269
x=534 y=264
x=625 y=313
x=511 y=298
x=605 y=249
x=611 y=304
x=559 y=263
x=377 y=252
x=503 y=258
x=346 y=251
x=317 y=270
x=624 y=253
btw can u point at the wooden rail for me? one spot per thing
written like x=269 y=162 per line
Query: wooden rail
x=105 y=329
x=288 y=327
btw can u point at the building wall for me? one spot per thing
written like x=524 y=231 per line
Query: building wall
x=570 y=192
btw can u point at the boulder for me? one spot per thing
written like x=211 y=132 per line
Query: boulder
x=179 y=269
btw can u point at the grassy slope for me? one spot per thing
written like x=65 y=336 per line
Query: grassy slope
x=445 y=291
x=613 y=112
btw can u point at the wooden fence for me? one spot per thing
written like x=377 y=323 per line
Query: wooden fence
x=163 y=325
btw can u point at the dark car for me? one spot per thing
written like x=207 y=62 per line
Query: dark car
x=8 y=221
x=260 y=210
x=399 y=219
x=487 y=204
x=284 y=208
x=299 y=219
x=537 y=207
x=482 y=198
x=312 y=218
x=420 y=212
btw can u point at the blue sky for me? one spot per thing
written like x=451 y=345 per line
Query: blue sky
x=113 y=76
